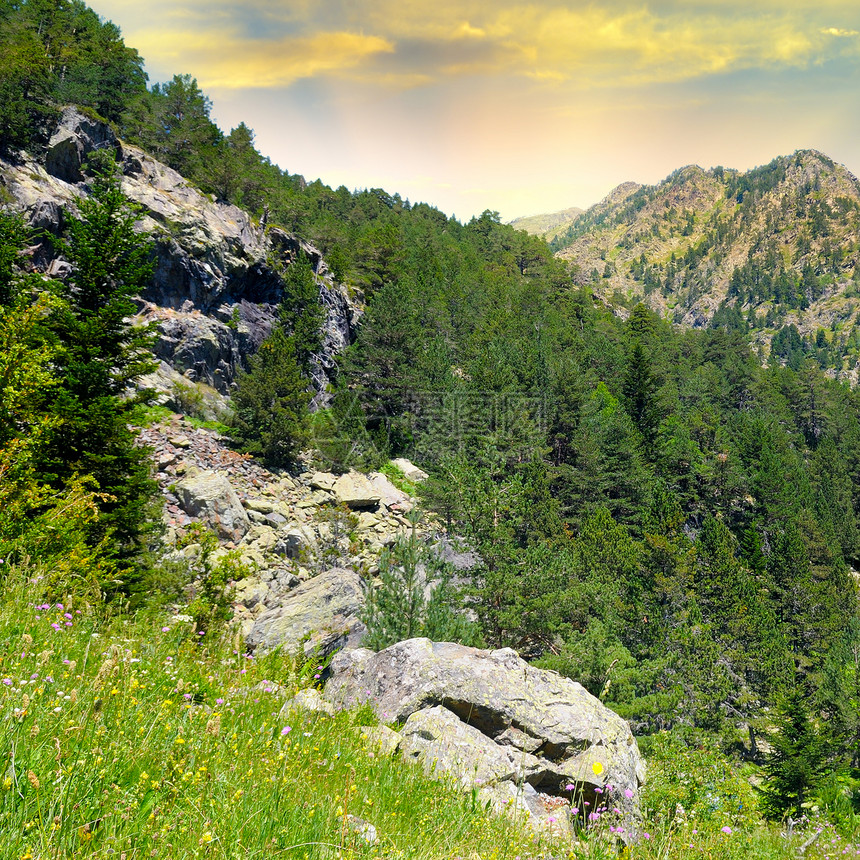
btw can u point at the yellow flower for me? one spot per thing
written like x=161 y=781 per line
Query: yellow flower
x=597 y=767
x=207 y=837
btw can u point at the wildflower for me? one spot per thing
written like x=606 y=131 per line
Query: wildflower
x=165 y=630
x=727 y=830
x=286 y=730
x=569 y=787
x=8 y=682
x=628 y=793
x=574 y=810
x=646 y=835
x=207 y=837
x=597 y=768
x=33 y=780
x=219 y=701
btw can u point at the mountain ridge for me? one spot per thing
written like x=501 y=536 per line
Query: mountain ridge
x=761 y=250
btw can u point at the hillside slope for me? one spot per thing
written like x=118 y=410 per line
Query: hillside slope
x=773 y=247
x=219 y=273
x=549 y=225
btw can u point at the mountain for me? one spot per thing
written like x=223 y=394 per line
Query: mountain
x=548 y=225
x=760 y=251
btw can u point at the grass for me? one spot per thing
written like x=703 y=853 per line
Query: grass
x=135 y=737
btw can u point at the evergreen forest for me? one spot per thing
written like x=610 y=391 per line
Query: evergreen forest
x=659 y=512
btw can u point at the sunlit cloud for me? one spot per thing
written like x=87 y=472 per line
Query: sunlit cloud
x=231 y=62
x=840 y=32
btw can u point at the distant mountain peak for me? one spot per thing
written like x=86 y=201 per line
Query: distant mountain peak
x=762 y=249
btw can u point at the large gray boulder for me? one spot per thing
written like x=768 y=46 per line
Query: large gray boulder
x=318 y=617
x=209 y=496
x=444 y=744
x=492 y=714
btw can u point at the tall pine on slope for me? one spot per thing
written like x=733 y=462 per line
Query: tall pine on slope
x=99 y=356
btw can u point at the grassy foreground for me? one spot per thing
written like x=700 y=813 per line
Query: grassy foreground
x=132 y=737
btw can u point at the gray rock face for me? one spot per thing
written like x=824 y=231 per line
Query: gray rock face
x=219 y=276
x=318 y=617
x=444 y=744
x=491 y=713
x=75 y=138
x=210 y=497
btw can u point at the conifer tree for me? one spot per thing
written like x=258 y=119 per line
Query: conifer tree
x=100 y=355
x=796 y=765
x=270 y=401
x=415 y=597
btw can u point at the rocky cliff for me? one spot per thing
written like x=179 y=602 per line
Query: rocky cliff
x=218 y=278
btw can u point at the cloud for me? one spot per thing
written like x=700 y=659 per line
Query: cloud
x=839 y=31
x=227 y=61
x=414 y=43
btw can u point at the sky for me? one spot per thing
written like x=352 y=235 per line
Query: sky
x=517 y=107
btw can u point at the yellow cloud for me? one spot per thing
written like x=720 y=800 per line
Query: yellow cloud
x=415 y=42
x=224 y=60
x=467 y=31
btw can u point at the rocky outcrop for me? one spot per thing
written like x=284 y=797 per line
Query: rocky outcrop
x=295 y=528
x=218 y=276
x=492 y=721
x=320 y=616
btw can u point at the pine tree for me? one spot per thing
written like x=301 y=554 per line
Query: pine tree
x=100 y=356
x=270 y=401
x=415 y=597
x=796 y=765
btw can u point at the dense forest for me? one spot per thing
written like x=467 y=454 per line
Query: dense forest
x=658 y=514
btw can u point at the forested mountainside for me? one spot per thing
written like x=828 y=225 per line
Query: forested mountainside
x=654 y=511
x=773 y=251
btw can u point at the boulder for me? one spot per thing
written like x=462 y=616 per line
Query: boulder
x=355 y=491
x=323 y=480
x=558 y=733
x=378 y=739
x=318 y=617
x=410 y=471
x=389 y=495
x=209 y=496
x=308 y=700
x=296 y=541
